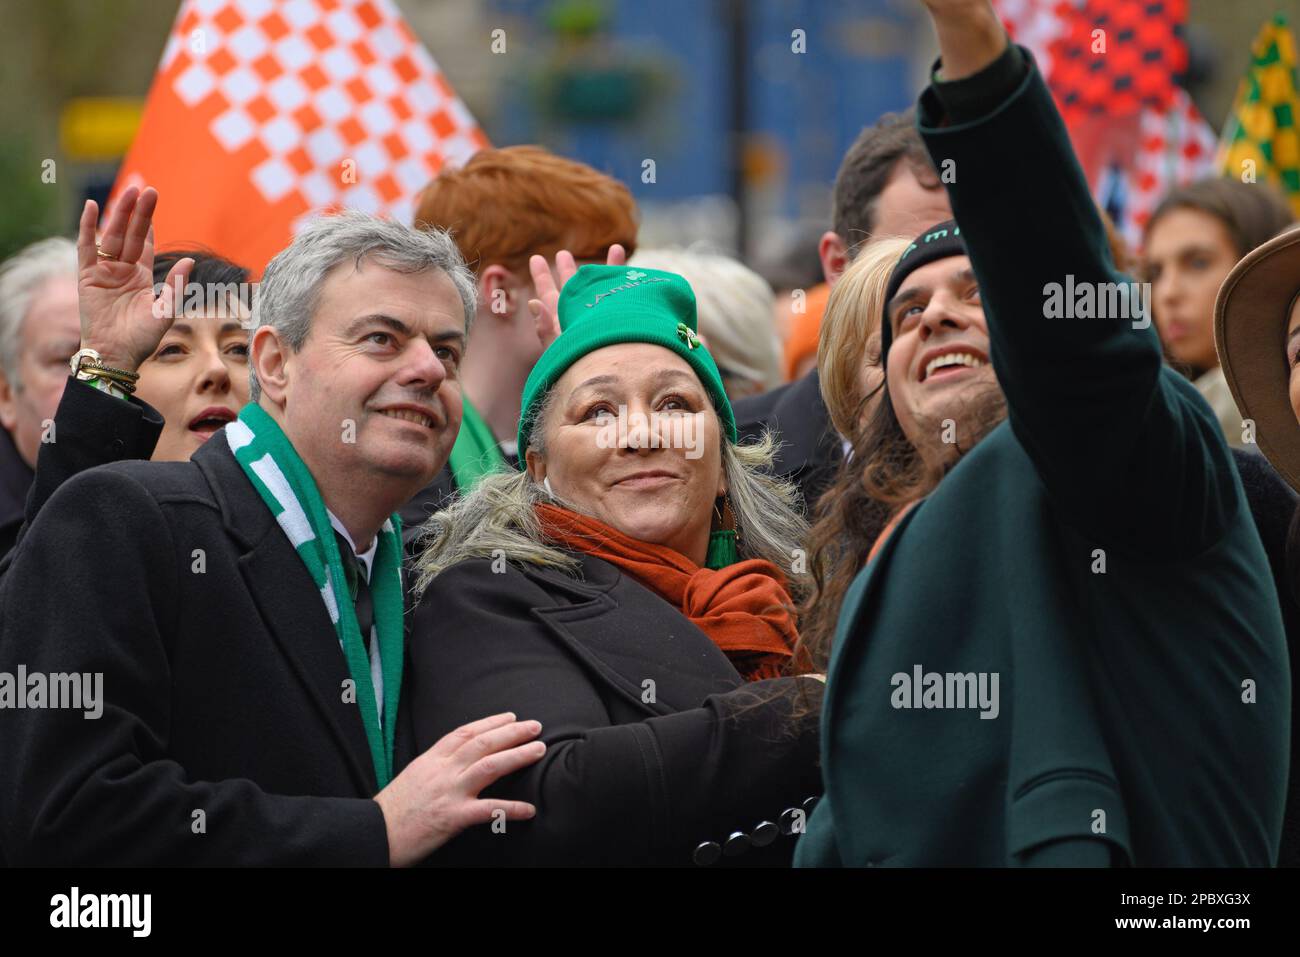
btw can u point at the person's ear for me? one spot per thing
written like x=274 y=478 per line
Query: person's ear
x=8 y=405
x=535 y=465
x=270 y=359
x=834 y=255
x=498 y=290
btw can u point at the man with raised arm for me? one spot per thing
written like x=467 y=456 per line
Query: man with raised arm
x=1066 y=648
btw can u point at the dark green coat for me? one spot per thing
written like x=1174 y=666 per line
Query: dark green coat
x=1120 y=692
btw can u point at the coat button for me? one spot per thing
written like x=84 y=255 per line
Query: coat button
x=116 y=446
x=809 y=804
x=737 y=842
x=786 y=821
x=707 y=853
x=764 y=834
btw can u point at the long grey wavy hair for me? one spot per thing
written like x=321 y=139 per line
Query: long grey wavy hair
x=497 y=519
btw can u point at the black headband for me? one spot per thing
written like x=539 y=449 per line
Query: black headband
x=937 y=242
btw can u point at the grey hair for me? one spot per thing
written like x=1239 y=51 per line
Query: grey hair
x=291 y=286
x=21 y=276
x=497 y=519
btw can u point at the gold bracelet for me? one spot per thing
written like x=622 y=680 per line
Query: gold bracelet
x=126 y=387
x=120 y=376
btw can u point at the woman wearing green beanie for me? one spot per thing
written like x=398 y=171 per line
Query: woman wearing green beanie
x=632 y=590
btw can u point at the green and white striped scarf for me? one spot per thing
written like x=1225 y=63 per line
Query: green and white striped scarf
x=289 y=491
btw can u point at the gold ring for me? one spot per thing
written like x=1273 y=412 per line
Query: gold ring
x=99 y=251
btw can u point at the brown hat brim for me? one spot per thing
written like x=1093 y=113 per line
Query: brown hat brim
x=1250 y=333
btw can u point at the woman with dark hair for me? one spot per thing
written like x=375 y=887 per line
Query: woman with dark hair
x=150 y=381
x=197 y=377
x=1193 y=239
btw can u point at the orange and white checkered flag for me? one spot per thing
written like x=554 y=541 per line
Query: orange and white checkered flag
x=263 y=113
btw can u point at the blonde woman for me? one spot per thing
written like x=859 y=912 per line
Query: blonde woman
x=848 y=349
x=633 y=590
x=847 y=519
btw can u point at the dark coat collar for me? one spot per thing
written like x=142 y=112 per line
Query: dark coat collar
x=243 y=513
x=434 y=496
x=626 y=633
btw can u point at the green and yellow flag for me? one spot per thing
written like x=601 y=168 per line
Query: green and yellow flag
x=1261 y=140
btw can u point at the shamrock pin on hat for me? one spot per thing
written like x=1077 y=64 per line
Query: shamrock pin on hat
x=608 y=305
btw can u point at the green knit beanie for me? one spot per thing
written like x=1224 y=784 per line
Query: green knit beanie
x=606 y=305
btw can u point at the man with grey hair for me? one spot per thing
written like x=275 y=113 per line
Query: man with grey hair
x=245 y=608
x=39 y=332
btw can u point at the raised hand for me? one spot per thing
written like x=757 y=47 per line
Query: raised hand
x=121 y=318
x=545 y=308
x=970 y=35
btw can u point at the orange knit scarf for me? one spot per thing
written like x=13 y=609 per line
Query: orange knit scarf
x=743 y=608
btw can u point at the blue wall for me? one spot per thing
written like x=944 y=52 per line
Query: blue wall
x=811 y=105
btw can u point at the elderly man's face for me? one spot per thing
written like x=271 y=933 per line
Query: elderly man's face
x=372 y=399
x=613 y=471
x=51 y=333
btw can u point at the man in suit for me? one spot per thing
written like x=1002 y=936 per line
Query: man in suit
x=39 y=332
x=506 y=208
x=886 y=186
x=1072 y=618
x=201 y=661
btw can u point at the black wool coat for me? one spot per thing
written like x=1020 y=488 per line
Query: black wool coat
x=90 y=428
x=222 y=683
x=656 y=746
x=15 y=480
x=437 y=495
x=810 y=449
